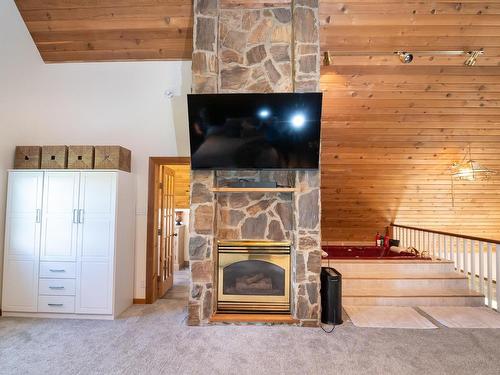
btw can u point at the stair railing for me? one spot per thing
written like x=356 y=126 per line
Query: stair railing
x=477 y=258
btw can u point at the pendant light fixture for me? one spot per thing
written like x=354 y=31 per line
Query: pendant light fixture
x=468 y=170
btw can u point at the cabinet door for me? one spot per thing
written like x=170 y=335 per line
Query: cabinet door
x=96 y=243
x=59 y=223
x=22 y=241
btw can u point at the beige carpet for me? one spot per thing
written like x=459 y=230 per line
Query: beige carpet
x=464 y=317
x=387 y=317
x=154 y=340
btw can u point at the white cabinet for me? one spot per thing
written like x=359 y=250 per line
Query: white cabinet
x=22 y=241
x=59 y=216
x=69 y=243
x=96 y=243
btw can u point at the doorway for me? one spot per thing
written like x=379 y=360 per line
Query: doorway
x=167 y=223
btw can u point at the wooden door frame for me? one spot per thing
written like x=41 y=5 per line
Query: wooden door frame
x=154 y=163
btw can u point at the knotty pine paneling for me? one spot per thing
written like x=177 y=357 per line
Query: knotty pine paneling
x=109 y=30
x=182 y=181
x=391 y=131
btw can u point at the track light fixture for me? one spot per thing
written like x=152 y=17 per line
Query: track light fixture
x=404 y=56
x=473 y=55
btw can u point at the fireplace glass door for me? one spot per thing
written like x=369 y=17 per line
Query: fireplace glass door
x=255 y=278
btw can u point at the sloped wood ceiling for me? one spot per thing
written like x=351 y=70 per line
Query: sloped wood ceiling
x=391 y=131
x=109 y=30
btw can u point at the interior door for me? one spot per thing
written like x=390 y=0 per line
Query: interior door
x=22 y=241
x=59 y=218
x=96 y=243
x=166 y=233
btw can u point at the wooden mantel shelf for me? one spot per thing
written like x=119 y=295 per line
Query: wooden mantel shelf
x=253 y=190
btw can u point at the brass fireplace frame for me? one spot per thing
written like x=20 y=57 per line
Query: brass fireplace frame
x=274 y=252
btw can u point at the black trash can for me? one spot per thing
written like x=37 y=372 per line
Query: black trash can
x=331 y=296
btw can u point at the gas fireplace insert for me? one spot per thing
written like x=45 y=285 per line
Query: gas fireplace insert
x=253 y=276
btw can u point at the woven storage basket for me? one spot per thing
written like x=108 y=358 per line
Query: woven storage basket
x=80 y=157
x=27 y=157
x=54 y=157
x=112 y=157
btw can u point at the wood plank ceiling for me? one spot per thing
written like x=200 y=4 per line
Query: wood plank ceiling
x=391 y=131
x=109 y=30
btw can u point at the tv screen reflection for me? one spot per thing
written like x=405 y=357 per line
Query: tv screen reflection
x=255 y=131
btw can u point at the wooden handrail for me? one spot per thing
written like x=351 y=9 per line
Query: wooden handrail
x=449 y=234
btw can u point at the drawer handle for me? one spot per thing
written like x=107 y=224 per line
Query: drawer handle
x=55 y=304
x=56 y=287
x=52 y=270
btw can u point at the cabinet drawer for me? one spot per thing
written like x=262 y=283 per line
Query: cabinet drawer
x=56 y=304
x=58 y=270
x=57 y=287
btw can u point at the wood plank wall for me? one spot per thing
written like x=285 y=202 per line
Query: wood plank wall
x=182 y=181
x=391 y=131
x=110 y=30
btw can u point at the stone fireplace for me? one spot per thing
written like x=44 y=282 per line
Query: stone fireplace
x=261 y=49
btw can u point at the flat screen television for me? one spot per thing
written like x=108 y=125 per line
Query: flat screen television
x=255 y=131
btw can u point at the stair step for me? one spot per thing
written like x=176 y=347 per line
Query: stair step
x=413 y=297
x=409 y=292
x=380 y=267
x=388 y=260
x=403 y=275
x=414 y=301
x=397 y=281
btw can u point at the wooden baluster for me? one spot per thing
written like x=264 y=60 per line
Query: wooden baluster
x=450 y=239
x=497 y=271
x=439 y=247
x=489 y=270
x=445 y=253
x=466 y=268
x=457 y=253
x=429 y=243
x=481 y=266
x=473 y=264
x=433 y=245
